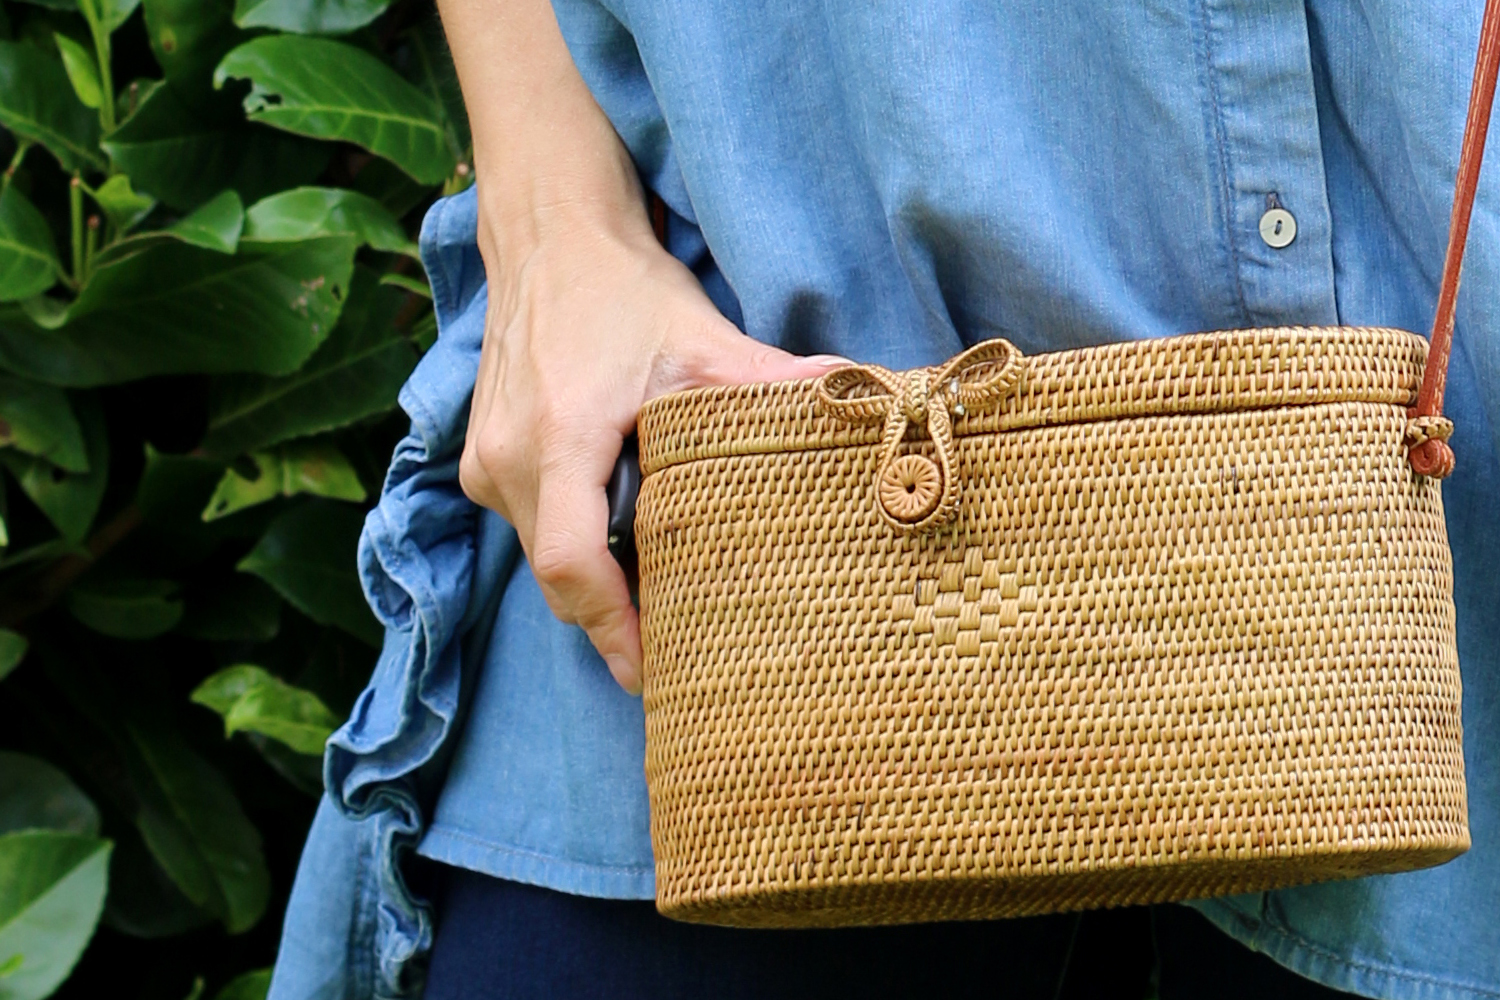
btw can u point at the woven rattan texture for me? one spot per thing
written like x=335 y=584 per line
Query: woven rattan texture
x=1154 y=657
x=1200 y=373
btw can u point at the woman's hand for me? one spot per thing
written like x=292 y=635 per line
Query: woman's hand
x=587 y=321
x=588 y=316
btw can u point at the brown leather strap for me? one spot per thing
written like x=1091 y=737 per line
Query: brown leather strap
x=1430 y=456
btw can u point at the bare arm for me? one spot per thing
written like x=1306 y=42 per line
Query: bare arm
x=549 y=154
x=588 y=317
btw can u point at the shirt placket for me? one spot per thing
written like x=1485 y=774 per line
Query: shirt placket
x=1260 y=82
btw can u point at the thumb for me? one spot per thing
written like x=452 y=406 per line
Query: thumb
x=728 y=357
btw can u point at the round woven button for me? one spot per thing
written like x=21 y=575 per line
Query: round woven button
x=911 y=488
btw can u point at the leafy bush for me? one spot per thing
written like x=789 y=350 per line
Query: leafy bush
x=209 y=297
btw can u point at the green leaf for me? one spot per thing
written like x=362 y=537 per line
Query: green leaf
x=431 y=68
x=169 y=308
x=184 y=154
x=34 y=795
x=122 y=205
x=240 y=609
x=299 y=467
x=222 y=689
x=307 y=212
x=173 y=488
x=12 y=651
x=356 y=373
x=51 y=893
x=283 y=713
x=390 y=185
x=249 y=986
x=307 y=554
x=185 y=811
x=308 y=17
x=28 y=256
x=253 y=700
x=301 y=771
x=424 y=331
x=82 y=71
x=37 y=103
x=53 y=548
x=39 y=420
x=143 y=901
x=126 y=609
x=408 y=284
x=329 y=90
x=109 y=14
x=195 y=828
x=69 y=500
x=214 y=225
x=188 y=38
x=117 y=12
x=69 y=5
x=172 y=493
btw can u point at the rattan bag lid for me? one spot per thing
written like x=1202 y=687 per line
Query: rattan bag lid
x=1196 y=373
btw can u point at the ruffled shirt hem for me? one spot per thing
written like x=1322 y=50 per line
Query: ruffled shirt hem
x=430 y=567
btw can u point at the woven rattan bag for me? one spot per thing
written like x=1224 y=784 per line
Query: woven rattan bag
x=1150 y=621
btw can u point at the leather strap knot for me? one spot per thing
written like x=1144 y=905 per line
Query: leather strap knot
x=1427 y=438
x=914 y=493
x=1431 y=428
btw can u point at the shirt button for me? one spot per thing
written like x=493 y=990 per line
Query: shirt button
x=1278 y=227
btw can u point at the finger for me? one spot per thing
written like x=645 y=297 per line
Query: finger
x=490 y=462
x=570 y=559
x=490 y=458
x=725 y=356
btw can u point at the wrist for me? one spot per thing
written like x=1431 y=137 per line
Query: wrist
x=524 y=207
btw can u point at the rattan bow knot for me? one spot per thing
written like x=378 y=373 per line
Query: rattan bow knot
x=915 y=396
x=915 y=493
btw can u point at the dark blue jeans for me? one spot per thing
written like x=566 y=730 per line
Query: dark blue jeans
x=500 y=940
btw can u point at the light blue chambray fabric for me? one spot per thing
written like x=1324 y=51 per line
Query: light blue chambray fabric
x=891 y=182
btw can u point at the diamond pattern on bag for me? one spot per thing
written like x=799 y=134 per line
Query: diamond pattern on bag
x=969 y=602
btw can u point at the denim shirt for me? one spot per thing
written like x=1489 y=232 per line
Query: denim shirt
x=891 y=182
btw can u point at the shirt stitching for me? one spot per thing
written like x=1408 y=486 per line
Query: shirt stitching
x=522 y=852
x=1225 y=165
x=1271 y=925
